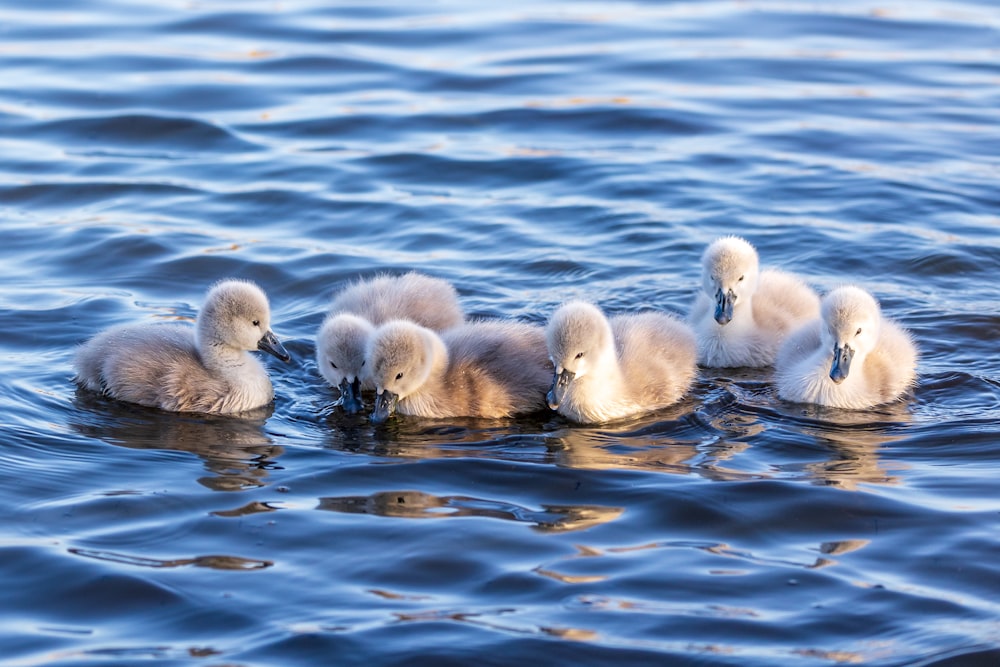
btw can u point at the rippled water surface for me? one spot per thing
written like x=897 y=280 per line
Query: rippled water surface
x=529 y=152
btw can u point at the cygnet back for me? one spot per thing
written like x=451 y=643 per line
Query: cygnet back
x=610 y=369
x=488 y=369
x=428 y=301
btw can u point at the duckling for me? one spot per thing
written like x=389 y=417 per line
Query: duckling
x=611 y=369
x=489 y=369
x=741 y=314
x=180 y=368
x=360 y=307
x=852 y=357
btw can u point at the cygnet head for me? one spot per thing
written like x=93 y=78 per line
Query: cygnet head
x=236 y=317
x=340 y=353
x=578 y=335
x=400 y=356
x=852 y=318
x=730 y=269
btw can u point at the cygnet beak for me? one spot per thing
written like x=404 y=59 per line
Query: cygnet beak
x=560 y=382
x=350 y=396
x=385 y=406
x=269 y=343
x=841 y=363
x=724 y=306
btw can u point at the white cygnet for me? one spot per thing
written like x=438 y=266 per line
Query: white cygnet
x=180 y=368
x=852 y=357
x=742 y=314
x=611 y=369
x=490 y=369
x=360 y=307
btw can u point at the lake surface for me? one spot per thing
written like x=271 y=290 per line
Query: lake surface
x=529 y=152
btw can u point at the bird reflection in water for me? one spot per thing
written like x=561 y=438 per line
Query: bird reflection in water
x=676 y=441
x=235 y=450
x=850 y=443
x=853 y=443
x=420 y=505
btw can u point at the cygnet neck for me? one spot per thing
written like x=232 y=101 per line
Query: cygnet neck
x=438 y=361
x=604 y=382
x=216 y=353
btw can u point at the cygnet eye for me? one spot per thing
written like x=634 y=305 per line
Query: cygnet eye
x=858 y=332
x=741 y=279
x=256 y=323
x=399 y=376
x=363 y=362
x=333 y=364
x=579 y=355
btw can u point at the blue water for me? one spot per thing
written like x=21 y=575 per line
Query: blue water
x=529 y=152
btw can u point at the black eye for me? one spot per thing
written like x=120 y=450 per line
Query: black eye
x=741 y=278
x=579 y=355
x=858 y=332
x=333 y=364
x=399 y=376
x=363 y=363
x=256 y=323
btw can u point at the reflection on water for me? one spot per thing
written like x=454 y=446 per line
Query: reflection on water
x=419 y=505
x=851 y=440
x=722 y=446
x=682 y=447
x=251 y=508
x=213 y=562
x=854 y=458
x=715 y=433
x=236 y=450
x=842 y=546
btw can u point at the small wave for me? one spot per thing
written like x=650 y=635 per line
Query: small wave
x=142 y=133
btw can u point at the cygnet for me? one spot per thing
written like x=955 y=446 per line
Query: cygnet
x=176 y=367
x=611 y=369
x=742 y=314
x=360 y=307
x=489 y=369
x=852 y=357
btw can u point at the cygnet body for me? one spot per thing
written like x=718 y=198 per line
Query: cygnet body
x=490 y=369
x=364 y=305
x=742 y=314
x=851 y=357
x=176 y=367
x=611 y=369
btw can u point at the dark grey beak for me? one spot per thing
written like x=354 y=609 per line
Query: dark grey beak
x=385 y=406
x=724 y=306
x=560 y=382
x=269 y=343
x=841 y=363
x=350 y=396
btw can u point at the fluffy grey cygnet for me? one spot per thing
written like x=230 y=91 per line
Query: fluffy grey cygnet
x=611 y=369
x=489 y=369
x=366 y=304
x=741 y=314
x=176 y=367
x=851 y=357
